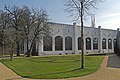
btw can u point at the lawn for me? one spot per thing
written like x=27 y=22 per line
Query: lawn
x=50 y=67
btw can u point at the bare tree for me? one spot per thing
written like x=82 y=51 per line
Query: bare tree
x=16 y=23
x=30 y=25
x=4 y=29
x=40 y=28
x=78 y=9
x=35 y=26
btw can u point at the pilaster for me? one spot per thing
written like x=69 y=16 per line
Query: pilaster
x=75 y=38
x=63 y=44
x=53 y=44
x=40 y=48
x=100 y=39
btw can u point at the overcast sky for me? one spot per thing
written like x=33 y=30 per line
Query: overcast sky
x=107 y=15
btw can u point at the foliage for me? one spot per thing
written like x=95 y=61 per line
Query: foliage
x=54 y=66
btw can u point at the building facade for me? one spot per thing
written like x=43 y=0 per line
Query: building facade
x=66 y=39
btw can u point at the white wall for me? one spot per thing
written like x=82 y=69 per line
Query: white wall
x=73 y=31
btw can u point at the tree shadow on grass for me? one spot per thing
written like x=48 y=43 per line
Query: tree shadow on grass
x=113 y=61
x=15 y=79
x=77 y=69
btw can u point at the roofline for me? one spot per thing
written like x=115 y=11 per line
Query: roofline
x=79 y=26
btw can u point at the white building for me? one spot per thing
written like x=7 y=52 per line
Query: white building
x=65 y=39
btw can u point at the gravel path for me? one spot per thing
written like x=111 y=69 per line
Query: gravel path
x=110 y=70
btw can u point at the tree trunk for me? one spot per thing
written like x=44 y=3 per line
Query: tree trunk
x=31 y=47
x=82 y=42
x=27 y=53
x=18 y=49
x=11 y=53
x=30 y=50
x=3 y=47
x=34 y=50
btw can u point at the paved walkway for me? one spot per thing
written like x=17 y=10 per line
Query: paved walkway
x=110 y=70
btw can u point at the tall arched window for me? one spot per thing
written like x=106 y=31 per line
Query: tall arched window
x=79 y=43
x=58 y=43
x=95 y=43
x=68 y=43
x=47 y=43
x=104 y=43
x=109 y=43
x=88 y=43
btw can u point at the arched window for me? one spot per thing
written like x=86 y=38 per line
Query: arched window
x=88 y=43
x=58 y=43
x=109 y=43
x=95 y=43
x=47 y=43
x=79 y=43
x=104 y=43
x=114 y=41
x=68 y=43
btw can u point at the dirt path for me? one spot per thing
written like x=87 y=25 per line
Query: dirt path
x=7 y=74
x=110 y=70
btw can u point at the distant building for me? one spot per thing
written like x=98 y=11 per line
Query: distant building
x=65 y=39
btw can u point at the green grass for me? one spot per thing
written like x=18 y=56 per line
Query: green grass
x=54 y=66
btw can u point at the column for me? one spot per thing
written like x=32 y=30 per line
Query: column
x=64 y=44
x=99 y=39
x=107 y=50
x=84 y=44
x=40 y=49
x=53 y=44
x=75 y=38
x=92 y=37
x=92 y=44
